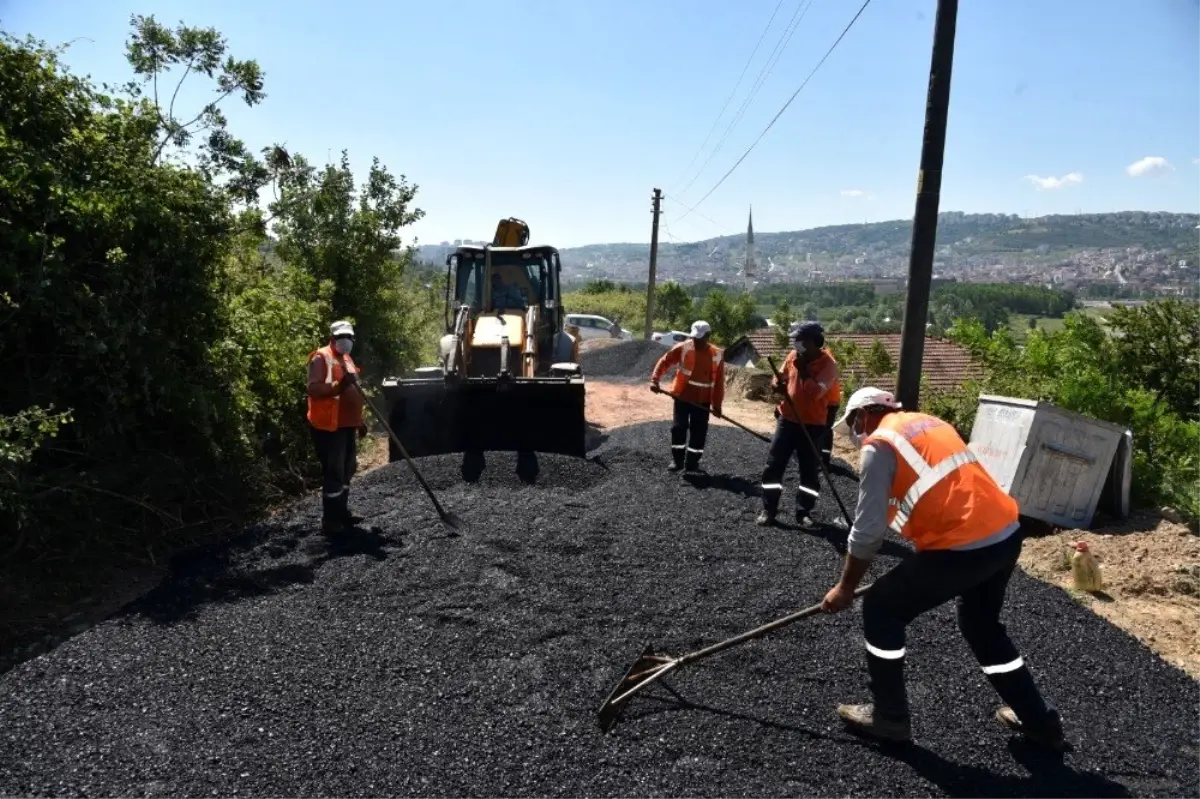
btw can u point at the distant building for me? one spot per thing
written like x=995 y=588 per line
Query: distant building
x=750 y=266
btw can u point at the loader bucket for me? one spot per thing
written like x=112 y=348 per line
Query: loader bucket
x=435 y=416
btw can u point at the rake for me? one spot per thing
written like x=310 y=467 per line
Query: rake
x=651 y=666
x=734 y=422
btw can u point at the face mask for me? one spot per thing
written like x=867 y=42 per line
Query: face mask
x=344 y=345
x=857 y=437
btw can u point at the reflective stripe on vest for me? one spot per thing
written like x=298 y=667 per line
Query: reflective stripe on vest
x=927 y=476
x=689 y=348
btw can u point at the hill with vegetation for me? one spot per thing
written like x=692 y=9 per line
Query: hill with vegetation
x=966 y=243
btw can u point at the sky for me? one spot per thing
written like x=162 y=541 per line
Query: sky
x=568 y=113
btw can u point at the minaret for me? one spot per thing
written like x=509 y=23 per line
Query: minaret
x=748 y=270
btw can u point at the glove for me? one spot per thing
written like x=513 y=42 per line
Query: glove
x=717 y=412
x=655 y=387
x=349 y=379
x=362 y=431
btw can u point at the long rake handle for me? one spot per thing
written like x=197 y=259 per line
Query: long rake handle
x=816 y=452
x=733 y=422
x=759 y=632
x=396 y=440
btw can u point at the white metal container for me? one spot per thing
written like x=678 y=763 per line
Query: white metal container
x=1055 y=463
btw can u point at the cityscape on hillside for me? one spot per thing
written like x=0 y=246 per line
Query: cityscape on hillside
x=1133 y=252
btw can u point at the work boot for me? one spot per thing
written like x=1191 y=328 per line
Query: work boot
x=805 y=520
x=676 y=466
x=765 y=519
x=348 y=518
x=860 y=719
x=1050 y=735
x=332 y=526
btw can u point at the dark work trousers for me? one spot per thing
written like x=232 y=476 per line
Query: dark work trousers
x=924 y=580
x=827 y=444
x=789 y=440
x=338 y=453
x=689 y=431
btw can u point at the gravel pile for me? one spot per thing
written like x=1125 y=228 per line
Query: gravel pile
x=405 y=662
x=627 y=359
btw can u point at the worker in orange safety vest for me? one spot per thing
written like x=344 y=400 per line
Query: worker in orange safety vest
x=809 y=373
x=699 y=380
x=335 y=415
x=920 y=480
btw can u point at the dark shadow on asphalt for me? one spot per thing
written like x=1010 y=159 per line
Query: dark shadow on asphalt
x=212 y=574
x=724 y=482
x=1048 y=775
x=838 y=537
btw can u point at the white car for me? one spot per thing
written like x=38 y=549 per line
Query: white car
x=670 y=338
x=592 y=326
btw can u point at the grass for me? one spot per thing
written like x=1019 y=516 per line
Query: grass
x=1019 y=323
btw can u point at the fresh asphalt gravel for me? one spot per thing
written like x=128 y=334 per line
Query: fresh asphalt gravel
x=402 y=661
x=629 y=359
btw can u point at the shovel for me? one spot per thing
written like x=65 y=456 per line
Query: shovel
x=455 y=524
x=754 y=433
x=650 y=666
x=813 y=446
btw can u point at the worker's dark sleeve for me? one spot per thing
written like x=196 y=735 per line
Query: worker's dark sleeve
x=877 y=468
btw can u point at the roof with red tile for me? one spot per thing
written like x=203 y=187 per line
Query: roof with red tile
x=945 y=365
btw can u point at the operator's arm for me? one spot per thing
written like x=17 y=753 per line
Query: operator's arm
x=669 y=359
x=718 y=389
x=788 y=374
x=818 y=383
x=877 y=467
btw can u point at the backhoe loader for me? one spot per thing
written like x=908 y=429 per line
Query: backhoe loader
x=509 y=377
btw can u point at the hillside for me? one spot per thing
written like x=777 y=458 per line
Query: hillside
x=967 y=244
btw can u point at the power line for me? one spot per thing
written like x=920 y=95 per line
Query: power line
x=736 y=86
x=785 y=107
x=691 y=210
x=784 y=39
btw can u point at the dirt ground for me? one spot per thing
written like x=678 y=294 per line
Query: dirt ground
x=1150 y=566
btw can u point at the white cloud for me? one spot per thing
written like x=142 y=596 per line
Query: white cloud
x=853 y=193
x=1148 y=166
x=1055 y=183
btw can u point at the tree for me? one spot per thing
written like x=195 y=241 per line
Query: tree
x=348 y=237
x=601 y=286
x=1159 y=343
x=878 y=361
x=673 y=305
x=727 y=319
x=783 y=322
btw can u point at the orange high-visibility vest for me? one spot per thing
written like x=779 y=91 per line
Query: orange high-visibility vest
x=941 y=496
x=700 y=377
x=812 y=402
x=323 y=411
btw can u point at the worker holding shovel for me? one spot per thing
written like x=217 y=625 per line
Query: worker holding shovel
x=809 y=374
x=920 y=479
x=335 y=415
x=699 y=389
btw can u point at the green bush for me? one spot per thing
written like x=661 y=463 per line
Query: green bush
x=1143 y=375
x=156 y=334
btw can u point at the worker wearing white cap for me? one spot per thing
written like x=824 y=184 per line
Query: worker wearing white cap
x=335 y=414
x=920 y=480
x=699 y=388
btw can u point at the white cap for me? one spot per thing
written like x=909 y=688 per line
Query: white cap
x=865 y=398
x=700 y=329
x=341 y=328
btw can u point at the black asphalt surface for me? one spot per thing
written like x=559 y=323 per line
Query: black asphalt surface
x=628 y=359
x=406 y=662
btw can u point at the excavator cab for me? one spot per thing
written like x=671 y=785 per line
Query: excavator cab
x=508 y=377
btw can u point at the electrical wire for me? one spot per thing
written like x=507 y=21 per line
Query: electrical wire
x=736 y=86
x=784 y=39
x=785 y=107
x=709 y=219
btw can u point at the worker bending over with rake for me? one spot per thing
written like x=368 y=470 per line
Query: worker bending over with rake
x=335 y=414
x=921 y=480
x=810 y=373
x=699 y=387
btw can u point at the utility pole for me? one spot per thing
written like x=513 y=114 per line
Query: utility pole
x=656 y=206
x=925 y=217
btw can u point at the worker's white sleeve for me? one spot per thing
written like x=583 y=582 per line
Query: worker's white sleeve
x=877 y=468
